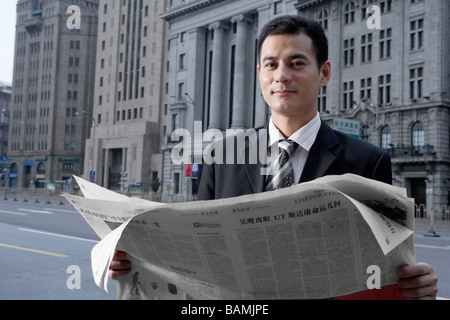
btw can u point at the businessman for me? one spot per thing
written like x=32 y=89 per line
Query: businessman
x=293 y=66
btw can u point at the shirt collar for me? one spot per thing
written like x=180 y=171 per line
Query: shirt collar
x=305 y=136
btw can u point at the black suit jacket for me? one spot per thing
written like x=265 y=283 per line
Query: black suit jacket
x=333 y=153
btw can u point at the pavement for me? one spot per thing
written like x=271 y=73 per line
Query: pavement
x=34 y=195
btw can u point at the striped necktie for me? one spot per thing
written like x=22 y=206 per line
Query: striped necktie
x=282 y=172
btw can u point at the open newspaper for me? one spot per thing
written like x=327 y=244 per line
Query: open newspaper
x=331 y=237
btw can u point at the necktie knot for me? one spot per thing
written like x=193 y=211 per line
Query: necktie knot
x=282 y=172
x=289 y=146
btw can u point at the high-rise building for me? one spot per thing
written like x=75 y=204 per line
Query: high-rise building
x=389 y=83
x=124 y=147
x=53 y=80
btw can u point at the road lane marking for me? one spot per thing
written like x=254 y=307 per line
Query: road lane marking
x=57 y=235
x=35 y=211
x=34 y=250
x=15 y=213
x=433 y=247
x=59 y=210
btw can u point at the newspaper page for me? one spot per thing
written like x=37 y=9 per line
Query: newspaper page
x=311 y=241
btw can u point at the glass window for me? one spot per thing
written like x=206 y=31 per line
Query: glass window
x=385 y=137
x=418 y=135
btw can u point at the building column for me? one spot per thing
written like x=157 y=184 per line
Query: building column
x=240 y=71
x=217 y=75
x=106 y=166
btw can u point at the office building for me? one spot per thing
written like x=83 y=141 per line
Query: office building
x=124 y=145
x=53 y=80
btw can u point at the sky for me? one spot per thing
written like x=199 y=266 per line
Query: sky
x=8 y=31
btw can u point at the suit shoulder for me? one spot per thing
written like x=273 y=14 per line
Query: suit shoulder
x=356 y=143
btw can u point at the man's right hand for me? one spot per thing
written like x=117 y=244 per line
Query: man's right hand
x=119 y=266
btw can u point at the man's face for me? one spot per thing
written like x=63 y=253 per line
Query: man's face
x=289 y=76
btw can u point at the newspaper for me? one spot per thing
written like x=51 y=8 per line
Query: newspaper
x=319 y=239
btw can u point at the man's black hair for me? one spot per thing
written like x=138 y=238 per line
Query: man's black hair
x=293 y=24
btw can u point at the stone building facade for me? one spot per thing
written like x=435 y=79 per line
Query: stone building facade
x=389 y=85
x=124 y=146
x=52 y=82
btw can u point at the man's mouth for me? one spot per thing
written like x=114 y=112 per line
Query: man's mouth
x=283 y=92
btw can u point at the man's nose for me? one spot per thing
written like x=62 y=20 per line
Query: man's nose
x=282 y=74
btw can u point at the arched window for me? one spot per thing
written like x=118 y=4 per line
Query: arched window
x=385 y=137
x=349 y=12
x=323 y=18
x=40 y=168
x=40 y=175
x=417 y=135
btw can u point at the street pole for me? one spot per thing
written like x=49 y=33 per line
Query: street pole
x=94 y=125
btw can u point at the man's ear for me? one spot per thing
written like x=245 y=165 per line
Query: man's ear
x=258 y=68
x=325 y=73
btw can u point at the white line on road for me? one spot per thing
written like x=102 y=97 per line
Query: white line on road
x=15 y=213
x=59 y=210
x=35 y=211
x=57 y=235
x=433 y=247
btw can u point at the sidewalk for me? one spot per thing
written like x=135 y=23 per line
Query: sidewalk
x=33 y=195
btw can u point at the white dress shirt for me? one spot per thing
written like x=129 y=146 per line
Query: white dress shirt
x=305 y=137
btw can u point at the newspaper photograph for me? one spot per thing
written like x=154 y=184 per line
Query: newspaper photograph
x=317 y=240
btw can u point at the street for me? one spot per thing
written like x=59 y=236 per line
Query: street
x=45 y=250
x=45 y=254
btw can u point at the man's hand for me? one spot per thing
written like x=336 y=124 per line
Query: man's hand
x=417 y=282
x=120 y=266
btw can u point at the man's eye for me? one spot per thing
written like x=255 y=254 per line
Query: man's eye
x=270 y=65
x=298 y=63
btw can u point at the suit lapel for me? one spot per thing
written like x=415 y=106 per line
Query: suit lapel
x=255 y=171
x=320 y=158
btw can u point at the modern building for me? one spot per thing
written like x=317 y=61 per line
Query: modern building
x=124 y=146
x=390 y=80
x=54 y=67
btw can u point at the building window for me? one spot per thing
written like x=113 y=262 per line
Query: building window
x=416 y=83
x=416 y=35
x=385 y=43
x=417 y=135
x=365 y=5
x=349 y=12
x=366 y=48
x=384 y=89
x=174 y=122
x=322 y=103
x=348 y=95
x=67 y=167
x=323 y=19
x=386 y=6
x=181 y=91
x=386 y=137
x=278 y=7
x=349 y=52
x=182 y=61
x=365 y=89
x=182 y=37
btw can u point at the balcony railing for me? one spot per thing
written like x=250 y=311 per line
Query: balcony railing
x=412 y=151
